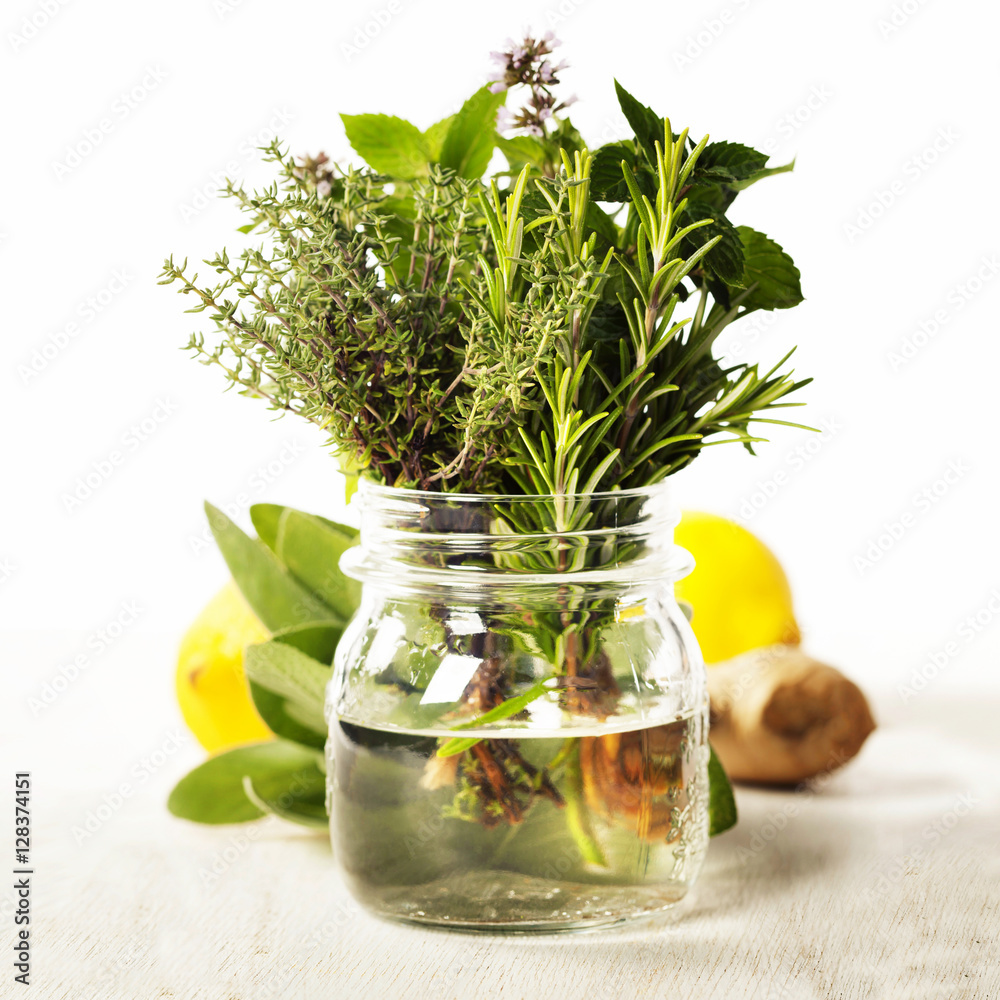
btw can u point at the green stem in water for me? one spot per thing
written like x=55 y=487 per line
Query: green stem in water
x=577 y=813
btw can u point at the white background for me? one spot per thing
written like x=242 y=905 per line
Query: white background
x=891 y=233
x=878 y=101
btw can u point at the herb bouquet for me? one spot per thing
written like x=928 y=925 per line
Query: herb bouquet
x=513 y=365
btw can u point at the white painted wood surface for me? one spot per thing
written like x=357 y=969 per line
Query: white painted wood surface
x=882 y=883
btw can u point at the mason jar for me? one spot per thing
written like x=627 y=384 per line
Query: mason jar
x=518 y=717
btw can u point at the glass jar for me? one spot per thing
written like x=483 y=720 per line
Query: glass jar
x=518 y=712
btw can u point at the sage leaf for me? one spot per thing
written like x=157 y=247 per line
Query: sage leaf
x=388 y=144
x=721 y=802
x=310 y=548
x=309 y=811
x=280 y=771
x=265 y=517
x=283 y=718
x=468 y=146
x=316 y=641
x=294 y=676
x=277 y=599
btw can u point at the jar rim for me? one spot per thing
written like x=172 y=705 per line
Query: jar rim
x=609 y=539
x=369 y=487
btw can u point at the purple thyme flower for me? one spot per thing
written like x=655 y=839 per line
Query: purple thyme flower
x=524 y=64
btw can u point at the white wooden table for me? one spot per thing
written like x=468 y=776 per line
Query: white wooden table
x=882 y=883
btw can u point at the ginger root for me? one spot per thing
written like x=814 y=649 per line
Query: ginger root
x=780 y=717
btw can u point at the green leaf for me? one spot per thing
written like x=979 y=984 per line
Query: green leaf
x=308 y=812
x=601 y=223
x=645 y=123
x=578 y=814
x=265 y=517
x=565 y=136
x=771 y=270
x=607 y=323
x=280 y=771
x=468 y=146
x=311 y=547
x=785 y=168
x=721 y=803
x=729 y=161
x=506 y=709
x=288 y=677
x=457 y=745
x=725 y=259
x=521 y=149
x=317 y=641
x=351 y=482
x=606 y=180
x=396 y=219
x=713 y=195
x=388 y=144
x=297 y=677
x=280 y=717
x=434 y=137
x=277 y=599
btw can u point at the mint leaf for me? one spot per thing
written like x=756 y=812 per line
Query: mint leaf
x=645 y=123
x=725 y=259
x=712 y=195
x=468 y=145
x=785 y=168
x=721 y=803
x=607 y=324
x=214 y=793
x=771 y=270
x=521 y=149
x=729 y=160
x=601 y=223
x=606 y=180
x=388 y=144
x=434 y=137
x=277 y=599
x=566 y=136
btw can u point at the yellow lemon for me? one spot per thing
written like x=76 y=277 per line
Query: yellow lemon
x=738 y=590
x=211 y=686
